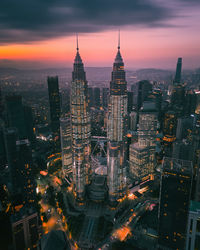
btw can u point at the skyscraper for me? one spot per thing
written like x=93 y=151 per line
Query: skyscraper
x=144 y=88
x=15 y=115
x=97 y=97
x=175 y=193
x=177 y=79
x=65 y=133
x=116 y=130
x=25 y=229
x=142 y=153
x=105 y=95
x=54 y=102
x=81 y=129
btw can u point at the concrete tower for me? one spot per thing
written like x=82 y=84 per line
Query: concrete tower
x=80 y=122
x=116 y=130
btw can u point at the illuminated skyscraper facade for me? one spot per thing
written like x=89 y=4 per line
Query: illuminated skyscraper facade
x=142 y=153
x=116 y=129
x=175 y=191
x=65 y=134
x=81 y=129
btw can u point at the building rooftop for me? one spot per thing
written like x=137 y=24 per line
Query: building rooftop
x=194 y=206
x=177 y=165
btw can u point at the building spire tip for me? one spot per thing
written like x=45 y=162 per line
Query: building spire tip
x=77 y=48
x=119 y=40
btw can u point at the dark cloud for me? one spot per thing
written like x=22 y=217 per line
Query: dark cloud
x=32 y=20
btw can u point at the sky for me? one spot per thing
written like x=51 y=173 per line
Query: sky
x=42 y=33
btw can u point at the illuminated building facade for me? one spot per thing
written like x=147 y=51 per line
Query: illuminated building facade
x=66 y=145
x=25 y=229
x=55 y=109
x=116 y=130
x=142 y=153
x=193 y=227
x=175 y=191
x=169 y=126
x=81 y=129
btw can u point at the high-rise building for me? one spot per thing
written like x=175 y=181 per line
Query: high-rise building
x=178 y=90
x=144 y=88
x=193 y=227
x=190 y=102
x=183 y=150
x=105 y=97
x=142 y=153
x=90 y=97
x=116 y=130
x=66 y=145
x=97 y=101
x=24 y=171
x=15 y=115
x=184 y=127
x=177 y=79
x=175 y=191
x=81 y=129
x=25 y=229
x=130 y=101
x=55 y=109
x=133 y=118
x=10 y=137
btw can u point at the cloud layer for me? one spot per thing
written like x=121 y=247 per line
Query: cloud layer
x=33 y=20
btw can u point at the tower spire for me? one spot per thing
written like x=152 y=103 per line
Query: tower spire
x=119 y=40
x=77 y=48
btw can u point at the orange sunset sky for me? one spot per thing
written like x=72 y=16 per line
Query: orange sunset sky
x=143 y=44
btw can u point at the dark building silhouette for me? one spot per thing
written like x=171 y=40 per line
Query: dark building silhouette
x=97 y=101
x=175 y=193
x=177 y=79
x=55 y=109
x=130 y=101
x=28 y=115
x=105 y=96
x=178 y=91
x=25 y=229
x=90 y=97
x=144 y=88
x=10 y=137
x=190 y=102
x=15 y=115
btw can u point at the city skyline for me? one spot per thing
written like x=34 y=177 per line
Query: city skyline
x=148 y=39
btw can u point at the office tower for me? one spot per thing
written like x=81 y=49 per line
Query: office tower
x=55 y=239
x=90 y=97
x=25 y=229
x=169 y=126
x=190 y=102
x=66 y=145
x=177 y=79
x=133 y=117
x=185 y=126
x=156 y=96
x=130 y=101
x=142 y=153
x=176 y=181
x=29 y=123
x=1 y=104
x=81 y=129
x=97 y=97
x=105 y=97
x=15 y=115
x=193 y=227
x=2 y=149
x=183 y=150
x=144 y=88
x=24 y=171
x=10 y=138
x=178 y=90
x=54 y=103
x=116 y=130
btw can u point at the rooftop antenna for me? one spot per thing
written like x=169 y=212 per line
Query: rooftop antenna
x=119 y=40
x=77 y=48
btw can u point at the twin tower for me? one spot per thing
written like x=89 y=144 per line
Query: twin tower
x=116 y=130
